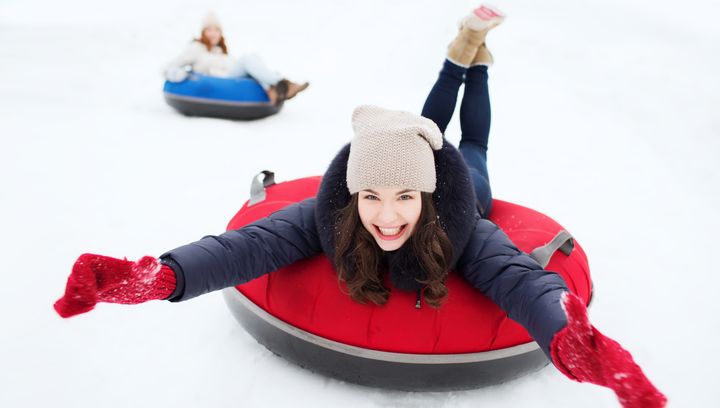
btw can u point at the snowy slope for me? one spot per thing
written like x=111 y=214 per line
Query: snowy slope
x=605 y=117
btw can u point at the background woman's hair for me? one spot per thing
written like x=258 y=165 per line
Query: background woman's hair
x=204 y=40
x=359 y=261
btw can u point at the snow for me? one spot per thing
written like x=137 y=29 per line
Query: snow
x=605 y=117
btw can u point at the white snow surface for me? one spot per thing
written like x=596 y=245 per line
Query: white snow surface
x=605 y=117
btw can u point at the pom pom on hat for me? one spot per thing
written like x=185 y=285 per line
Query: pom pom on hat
x=211 y=20
x=392 y=149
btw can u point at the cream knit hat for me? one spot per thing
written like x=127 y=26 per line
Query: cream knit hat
x=392 y=149
x=211 y=20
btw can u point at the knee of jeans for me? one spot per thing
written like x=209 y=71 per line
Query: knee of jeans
x=483 y=193
x=484 y=202
x=486 y=208
x=477 y=167
x=473 y=146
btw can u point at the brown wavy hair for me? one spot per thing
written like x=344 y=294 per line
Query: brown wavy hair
x=206 y=42
x=360 y=264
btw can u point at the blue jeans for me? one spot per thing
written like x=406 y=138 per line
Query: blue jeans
x=474 y=120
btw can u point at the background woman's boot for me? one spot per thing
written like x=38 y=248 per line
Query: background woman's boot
x=295 y=88
x=278 y=92
x=272 y=95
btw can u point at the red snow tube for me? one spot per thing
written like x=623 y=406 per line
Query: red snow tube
x=302 y=313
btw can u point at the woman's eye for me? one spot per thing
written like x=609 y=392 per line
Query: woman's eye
x=371 y=197
x=406 y=197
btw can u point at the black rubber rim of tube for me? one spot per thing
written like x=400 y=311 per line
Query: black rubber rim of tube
x=398 y=371
x=221 y=109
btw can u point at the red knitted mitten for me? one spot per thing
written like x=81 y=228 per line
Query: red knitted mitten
x=584 y=354
x=97 y=278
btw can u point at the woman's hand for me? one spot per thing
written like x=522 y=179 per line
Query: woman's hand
x=97 y=278
x=584 y=354
x=177 y=74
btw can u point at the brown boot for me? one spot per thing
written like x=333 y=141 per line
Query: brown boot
x=278 y=93
x=282 y=89
x=272 y=95
x=463 y=49
x=482 y=57
x=294 y=88
x=469 y=48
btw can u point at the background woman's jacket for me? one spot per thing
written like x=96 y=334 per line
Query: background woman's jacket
x=213 y=62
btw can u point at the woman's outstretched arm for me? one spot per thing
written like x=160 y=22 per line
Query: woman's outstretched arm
x=213 y=263
x=239 y=256
x=528 y=294
x=557 y=319
x=175 y=71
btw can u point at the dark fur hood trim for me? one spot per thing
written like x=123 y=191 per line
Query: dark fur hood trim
x=454 y=199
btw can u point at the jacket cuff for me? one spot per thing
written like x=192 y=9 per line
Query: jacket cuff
x=179 y=291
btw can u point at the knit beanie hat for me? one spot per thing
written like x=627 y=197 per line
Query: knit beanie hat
x=392 y=149
x=211 y=20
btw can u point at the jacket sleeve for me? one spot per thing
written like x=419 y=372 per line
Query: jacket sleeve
x=528 y=294
x=236 y=257
x=189 y=56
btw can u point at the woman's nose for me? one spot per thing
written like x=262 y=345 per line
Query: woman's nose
x=387 y=215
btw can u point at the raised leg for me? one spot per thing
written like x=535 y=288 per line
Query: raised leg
x=467 y=61
x=440 y=103
x=255 y=67
x=475 y=126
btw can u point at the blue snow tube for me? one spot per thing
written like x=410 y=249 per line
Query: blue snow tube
x=228 y=98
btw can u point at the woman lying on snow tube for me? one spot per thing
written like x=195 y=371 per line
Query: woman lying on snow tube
x=205 y=81
x=398 y=208
x=298 y=312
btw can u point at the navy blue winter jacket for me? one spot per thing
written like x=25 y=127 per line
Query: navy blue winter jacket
x=484 y=255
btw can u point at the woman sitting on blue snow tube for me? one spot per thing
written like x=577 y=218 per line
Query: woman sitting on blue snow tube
x=398 y=208
x=205 y=81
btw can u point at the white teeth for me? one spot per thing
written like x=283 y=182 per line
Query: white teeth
x=389 y=231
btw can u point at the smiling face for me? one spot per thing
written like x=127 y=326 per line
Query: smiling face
x=389 y=214
x=212 y=34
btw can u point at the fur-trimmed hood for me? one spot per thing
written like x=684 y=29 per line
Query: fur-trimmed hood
x=454 y=200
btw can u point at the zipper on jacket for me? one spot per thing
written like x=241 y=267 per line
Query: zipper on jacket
x=418 y=304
